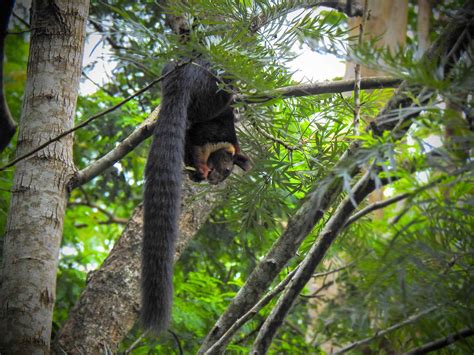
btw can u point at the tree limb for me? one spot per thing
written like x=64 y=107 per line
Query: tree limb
x=143 y=131
x=380 y=333
x=331 y=87
x=443 y=342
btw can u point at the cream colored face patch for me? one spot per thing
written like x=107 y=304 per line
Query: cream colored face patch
x=210 y=148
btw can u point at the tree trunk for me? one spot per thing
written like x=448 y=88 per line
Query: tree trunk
x=35 y=220
x=423 y=25
x=387 y=22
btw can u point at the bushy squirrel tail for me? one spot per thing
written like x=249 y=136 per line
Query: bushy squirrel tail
x=162 y=199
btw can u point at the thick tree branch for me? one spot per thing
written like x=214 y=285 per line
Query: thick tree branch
x=108 y=307
x=332 y=87
x=390 y=119
x=380 y=333
x=443 y=342
x=146 y=128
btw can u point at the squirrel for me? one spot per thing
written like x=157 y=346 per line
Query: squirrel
x=212 y=148
x=195 y=124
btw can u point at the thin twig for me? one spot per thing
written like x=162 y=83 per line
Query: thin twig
x=21 y=19
x=380 y=333
x=111 y=217
x=321 y=288
x=84 y=74
x=135 y=343
x=357 y=74
x=326 y=273
x=178 y=343
x=375 y=206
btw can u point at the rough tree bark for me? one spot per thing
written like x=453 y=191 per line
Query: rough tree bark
x=35 y=218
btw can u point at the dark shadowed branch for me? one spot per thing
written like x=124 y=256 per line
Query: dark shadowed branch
x=443 y=342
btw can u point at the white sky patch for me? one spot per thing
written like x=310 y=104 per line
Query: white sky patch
x=96 y=51
x=312 y=66
x=309 y=66
x=68 y=251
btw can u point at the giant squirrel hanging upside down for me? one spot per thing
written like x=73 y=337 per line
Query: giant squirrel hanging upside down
x=195 y=123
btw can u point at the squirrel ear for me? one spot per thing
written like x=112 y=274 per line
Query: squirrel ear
x=242 y=161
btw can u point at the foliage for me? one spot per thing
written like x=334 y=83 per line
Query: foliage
x=418 y=254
